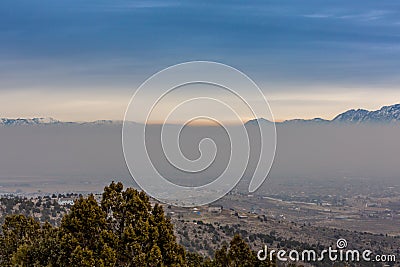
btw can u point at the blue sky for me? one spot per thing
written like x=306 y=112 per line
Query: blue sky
x=81 y=60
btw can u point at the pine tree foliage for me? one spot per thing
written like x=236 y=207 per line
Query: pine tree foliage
x=124 y=230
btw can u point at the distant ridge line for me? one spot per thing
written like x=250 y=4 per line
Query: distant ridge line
x=386 y=114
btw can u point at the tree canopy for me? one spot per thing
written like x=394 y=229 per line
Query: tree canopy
x=123 y=230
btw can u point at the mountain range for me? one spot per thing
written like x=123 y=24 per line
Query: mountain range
x=51 y=121
x=387 y=114
x=33 y=121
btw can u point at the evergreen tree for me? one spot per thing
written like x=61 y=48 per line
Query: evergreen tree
x=86 y=236
x=18 y=230
x=143 y=232
x=124 y=230
x=238 y=254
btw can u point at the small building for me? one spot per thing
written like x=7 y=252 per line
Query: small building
x=215 y=209
x=65 y=201
x=242 y=216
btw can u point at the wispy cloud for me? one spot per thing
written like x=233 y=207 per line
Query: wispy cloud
x=368 y=16
x=363 y=16
x=318 y=16
x=127 y=6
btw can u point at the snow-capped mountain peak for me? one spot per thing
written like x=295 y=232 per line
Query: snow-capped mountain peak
x=387 y=114
x=32 y=121
x=384 y=115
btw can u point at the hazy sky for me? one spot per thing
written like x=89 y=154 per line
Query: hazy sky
x=82 y=60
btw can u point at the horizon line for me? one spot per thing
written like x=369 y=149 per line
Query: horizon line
x=229 y=122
